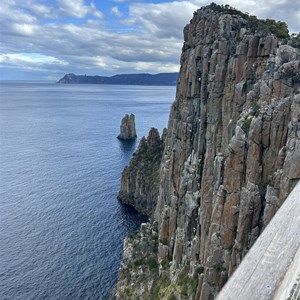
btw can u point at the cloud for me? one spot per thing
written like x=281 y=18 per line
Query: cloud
x=109 y=63
x=10 y=13
x=164 y=20
x=30 y=58
x=88 y=46
x=24 y=29
x=78 y=38
x=115 y=11
x=32 y=65
x=78 y=9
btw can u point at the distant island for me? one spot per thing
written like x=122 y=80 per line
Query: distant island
x=128 y=79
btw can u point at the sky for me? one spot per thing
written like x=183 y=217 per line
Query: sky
x=45 y=39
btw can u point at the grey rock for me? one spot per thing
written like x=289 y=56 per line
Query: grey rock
x=127 y=128
x=231 y=154
x=140 y=179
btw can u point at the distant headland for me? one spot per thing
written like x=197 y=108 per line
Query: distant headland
x=128 y=79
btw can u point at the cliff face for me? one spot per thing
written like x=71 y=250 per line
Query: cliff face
x=127 y=128
x=140 y=179
x=231 y=156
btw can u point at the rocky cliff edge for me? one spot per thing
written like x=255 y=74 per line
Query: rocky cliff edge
x=231 y=157
x=140 y=179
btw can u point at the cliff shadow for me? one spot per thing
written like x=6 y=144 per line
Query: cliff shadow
x=127 y=147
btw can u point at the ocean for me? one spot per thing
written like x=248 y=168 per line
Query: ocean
x=61 y=227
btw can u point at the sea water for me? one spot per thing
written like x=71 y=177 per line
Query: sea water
x=61 y=227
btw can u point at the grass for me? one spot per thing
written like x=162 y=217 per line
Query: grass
x=256 y=107
x=184 y=288
x=159 y=285
x=246 y=123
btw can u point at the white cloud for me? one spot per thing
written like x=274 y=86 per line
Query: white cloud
x=108 y=63
x=164 y=19
x=41 y=9
x=155 y=67
x=78 y=9
x=33 y=59
x=115 y=11
x=25 y=29
x=150 y=39
x=11 y=13
x=95 y=12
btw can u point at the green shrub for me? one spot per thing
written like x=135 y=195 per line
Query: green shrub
x=199 y=270
x=188 y=285
x=256 y=108
x=172 y=297
x=154 y=236
x=164 y=241
x=136 y=247
x=246 y=123
x=132 y=235
x=139 y=262
x=278 y=28
x=218 y=267
x=158 y=286
x=152 y=263
x=128 y=291
x=194 y=285
x=295 y=40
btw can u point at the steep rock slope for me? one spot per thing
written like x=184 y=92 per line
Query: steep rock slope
x=231 y=156
x=140 y=179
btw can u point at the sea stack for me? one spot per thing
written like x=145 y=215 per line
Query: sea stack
x=127 y=128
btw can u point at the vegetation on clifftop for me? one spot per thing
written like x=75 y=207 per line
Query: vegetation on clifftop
x=278 y=28
x=295 y=40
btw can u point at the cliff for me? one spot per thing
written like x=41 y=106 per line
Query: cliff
x=231 y=157
x=129 y=79
x=127 y=128
x=140 y=179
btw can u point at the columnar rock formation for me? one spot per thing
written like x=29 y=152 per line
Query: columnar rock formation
x=127 y=128
x=140 y=179
x=231 y=157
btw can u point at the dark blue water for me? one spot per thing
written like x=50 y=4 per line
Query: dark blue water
x=61 y=227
